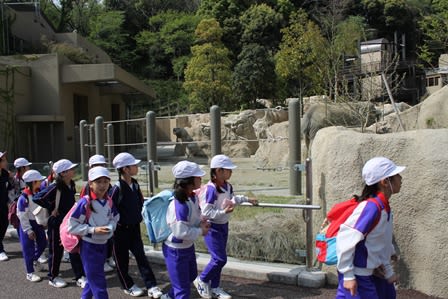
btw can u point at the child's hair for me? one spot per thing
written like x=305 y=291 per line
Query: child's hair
x=213 y=179
x=29 y=185
x=60 y=183
x=180 y=186
x=367 y=192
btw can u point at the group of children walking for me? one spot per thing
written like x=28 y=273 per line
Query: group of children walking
x=104 y=211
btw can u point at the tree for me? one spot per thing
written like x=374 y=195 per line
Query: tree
x=166 y=44
x=301 y=58
x=208 y=73
x=254 y=76
x=434 y=27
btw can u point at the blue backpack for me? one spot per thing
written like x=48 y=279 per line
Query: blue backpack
x=154 y=215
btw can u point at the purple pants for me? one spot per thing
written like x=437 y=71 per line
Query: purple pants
x=369 y=287
x=32 y=249
x=93 y=257
x=182 y=269
x=216 y=241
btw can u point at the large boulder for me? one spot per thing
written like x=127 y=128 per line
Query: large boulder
x=420 y=209
x=429 y=114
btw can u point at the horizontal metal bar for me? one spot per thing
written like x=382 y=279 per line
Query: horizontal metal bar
x=284 y=206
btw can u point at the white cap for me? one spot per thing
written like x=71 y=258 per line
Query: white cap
x=379 y=168
x=222 y=161
x=63 y=165
x=32 y=175
x=187 y=169
x=2 y=154
x=98 y=172
x=21 y=162
x=124 y=159
x=97 y=159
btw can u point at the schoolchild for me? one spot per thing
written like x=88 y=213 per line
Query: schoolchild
x=31 y=234
x=64 y=172
x=95 y=231
x=184 y=219
x=94 y=161
x=5 y=186
x=21 y=165
x=219 y=202
x=364 y=242
x=128 y=198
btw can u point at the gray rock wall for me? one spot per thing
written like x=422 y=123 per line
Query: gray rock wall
x=420 y=209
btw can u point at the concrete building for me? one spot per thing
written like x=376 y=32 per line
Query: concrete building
x=45 y=96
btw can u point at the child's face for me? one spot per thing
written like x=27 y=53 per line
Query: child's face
x=4 y=162
x=99 y=186
x=68 y=174
x=131 y=170
x=197 y=182
x=395 y=182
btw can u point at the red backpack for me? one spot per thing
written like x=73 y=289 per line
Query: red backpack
x=326 y=239
x=70 y=241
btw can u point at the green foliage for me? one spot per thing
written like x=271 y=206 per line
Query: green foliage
x=253 y=76
x=261 y=25
x=301 y=58
x=166 y=43
x=208 y=73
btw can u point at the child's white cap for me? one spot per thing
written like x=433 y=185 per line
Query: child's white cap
x=379 y=168
x=222 y=161
x=187 y=169
x=21 y=162
x=32 y=175
x=97 y=160
x=124 y=159
x=98 y=172
x=63 y=165
x=2 y=154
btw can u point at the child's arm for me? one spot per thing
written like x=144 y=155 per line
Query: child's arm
x=77 y=223
x=46 y=197
x=22 y=213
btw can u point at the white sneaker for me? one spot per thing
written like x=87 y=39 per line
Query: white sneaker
x=81 y=282
x=154 y=292
x=219 y=293
x=42 y=259
x=3 y=256
x=203 y=288
x=111 y=262
x=134 y=291
x=57 y=282
x=165 y=296
x=33 y=277
x=107 y=268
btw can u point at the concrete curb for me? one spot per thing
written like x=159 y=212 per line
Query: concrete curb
x=270 y=272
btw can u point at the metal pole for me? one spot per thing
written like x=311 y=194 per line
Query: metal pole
x=295 y=181
x=215 y=130
x=83 y=136
x=150 y=174
x=99 y=135
x=308 y=215
x=110 y=142
x=91 y=139
x=151 y=144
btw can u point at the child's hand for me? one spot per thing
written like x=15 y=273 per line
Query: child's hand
x=351 y=285
x=227 y=203
x=229 y=209
x=205 y=226
x=31 y=235
x=102 y=230
x=393 y=279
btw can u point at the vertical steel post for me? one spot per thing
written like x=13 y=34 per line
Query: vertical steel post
x=83 y=136
x=308 y=214
x=99 y=135
x=295 y=178
x=110 y=143
x=215 y=130
x=151 y=145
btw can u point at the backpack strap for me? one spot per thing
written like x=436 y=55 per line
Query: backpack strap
x=380 y=207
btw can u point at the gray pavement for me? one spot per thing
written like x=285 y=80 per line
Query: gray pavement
x=242 y=279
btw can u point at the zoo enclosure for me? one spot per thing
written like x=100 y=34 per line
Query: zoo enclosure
x=97 y=137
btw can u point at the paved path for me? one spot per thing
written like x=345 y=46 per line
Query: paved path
x=14 y=284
